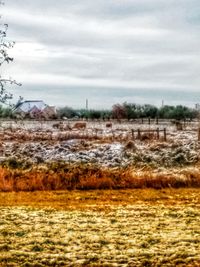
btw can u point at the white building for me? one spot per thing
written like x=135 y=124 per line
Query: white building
x=34 y=109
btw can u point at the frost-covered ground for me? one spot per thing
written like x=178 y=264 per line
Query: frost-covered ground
x=149 y=232
x=108 y=155
x=40 y=142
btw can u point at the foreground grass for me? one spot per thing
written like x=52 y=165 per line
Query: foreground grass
x=99 y=200
x=100 y=228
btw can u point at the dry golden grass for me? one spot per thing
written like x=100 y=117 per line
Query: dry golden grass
x=100 y=199
x=138 y=227
x=60 y=176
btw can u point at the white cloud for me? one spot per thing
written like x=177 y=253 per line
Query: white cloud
x=105 y=43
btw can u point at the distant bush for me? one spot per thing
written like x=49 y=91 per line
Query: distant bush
x=5 y=112
x=119 y=112
x=66 y=112
x=177 y=112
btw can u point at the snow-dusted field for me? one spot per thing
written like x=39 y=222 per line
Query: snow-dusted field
x=39 y=142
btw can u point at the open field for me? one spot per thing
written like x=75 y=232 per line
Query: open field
x=38 y=142
x=132 y=227
x=100 y=228
x=56 y=155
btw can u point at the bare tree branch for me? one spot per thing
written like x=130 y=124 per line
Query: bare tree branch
x=5 y=58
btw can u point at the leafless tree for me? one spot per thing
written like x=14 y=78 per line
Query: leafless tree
x=5 y=45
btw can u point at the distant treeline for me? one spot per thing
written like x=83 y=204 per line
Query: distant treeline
x=131 y=111
x=120 y=111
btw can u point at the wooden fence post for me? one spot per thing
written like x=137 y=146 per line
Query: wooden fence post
x=165 y=134
x=149 y=121
x=133 y=134
x=156 y=120
x=198 y=134
x=113 y=135
x=96 y=132
x=139 y=134
x=184 y=123
x=158 y=134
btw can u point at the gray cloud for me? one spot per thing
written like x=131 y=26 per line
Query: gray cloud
x=106 y=45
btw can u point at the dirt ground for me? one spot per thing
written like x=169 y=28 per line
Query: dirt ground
x=100 y=228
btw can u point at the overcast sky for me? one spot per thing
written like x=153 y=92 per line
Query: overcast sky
x=109 y=51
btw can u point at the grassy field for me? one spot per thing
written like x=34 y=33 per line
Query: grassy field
x=142 y=227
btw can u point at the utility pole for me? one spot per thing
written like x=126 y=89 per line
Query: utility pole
x=86 y=104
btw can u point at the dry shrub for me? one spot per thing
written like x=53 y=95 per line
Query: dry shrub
x=92 y=182
x=192 y=176
x=130 y=145
x=162 y=180
x=6 y=181
x=148 y=136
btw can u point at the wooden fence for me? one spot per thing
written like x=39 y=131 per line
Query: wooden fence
x=148 y=134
